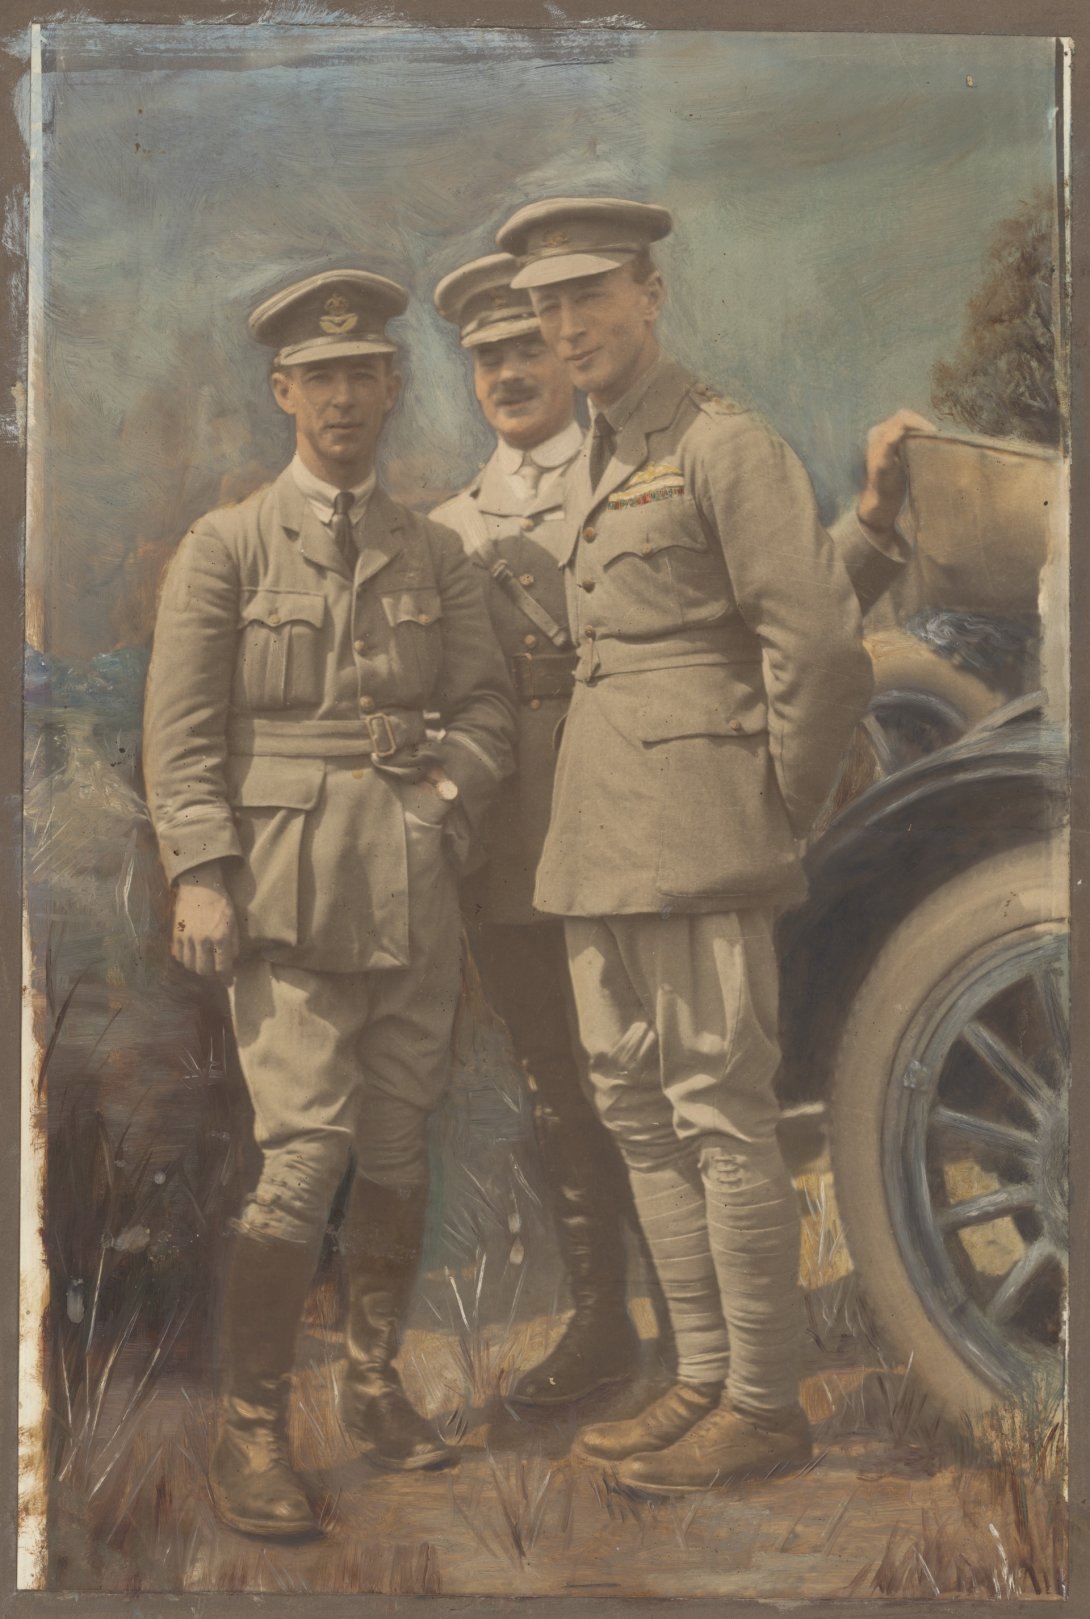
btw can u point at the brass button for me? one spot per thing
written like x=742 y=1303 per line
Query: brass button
x=359 y=646
x=530 y=641
x=358 y=775
x=646 y=550
x=526 y=579
x=590 y=533
x=735 y=725
x=273 y=618
x=366 y=704
x=590 y=632
x=526 y=522
x=535 y=702
x=424 y=618
x=586 y=584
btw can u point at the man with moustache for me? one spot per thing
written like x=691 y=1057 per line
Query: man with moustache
x=509 y=517
x=312 y=827
x=720 y=674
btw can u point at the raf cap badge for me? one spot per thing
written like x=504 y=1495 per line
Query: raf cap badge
x=329 y=317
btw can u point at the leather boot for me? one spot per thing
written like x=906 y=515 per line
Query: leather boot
x=599 y=1345
x=384 y=1234
x=253 y=1486
x=730 y=1444
x=663 y=1423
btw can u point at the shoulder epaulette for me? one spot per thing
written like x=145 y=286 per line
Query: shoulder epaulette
x=714 y=403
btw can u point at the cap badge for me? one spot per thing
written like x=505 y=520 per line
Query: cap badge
x=338 y=317
x=497 y=297
x=556 y=238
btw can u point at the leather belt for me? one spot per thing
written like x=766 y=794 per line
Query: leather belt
x=534 y=611
x=377 y=736
x=603 y=655
x=543 y=674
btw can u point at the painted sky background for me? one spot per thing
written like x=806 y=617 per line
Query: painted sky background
x=833 y=198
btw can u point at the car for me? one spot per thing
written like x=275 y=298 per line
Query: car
x=924 y=1012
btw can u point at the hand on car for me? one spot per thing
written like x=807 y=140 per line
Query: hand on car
x=205 y=932
x=884 y=492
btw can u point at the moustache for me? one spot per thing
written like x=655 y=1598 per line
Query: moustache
x=514 y=396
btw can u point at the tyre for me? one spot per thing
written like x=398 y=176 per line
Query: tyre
x=921 y=702
x=949 y=1130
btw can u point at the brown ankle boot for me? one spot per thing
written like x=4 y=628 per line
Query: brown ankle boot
x=729 y=1444
x=663 y=1423
x=384 y=1233
x=253 y=1486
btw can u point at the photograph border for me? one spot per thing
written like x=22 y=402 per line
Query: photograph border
x=1056 y=18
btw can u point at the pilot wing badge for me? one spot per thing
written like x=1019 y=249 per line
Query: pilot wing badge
x=659 y=480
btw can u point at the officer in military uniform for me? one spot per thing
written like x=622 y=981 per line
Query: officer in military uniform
x=509 y=517
x=313 y=827
x=720 y=674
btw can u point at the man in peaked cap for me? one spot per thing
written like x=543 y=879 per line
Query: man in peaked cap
x=313 y=830
x=720 y=674
x=509 y=517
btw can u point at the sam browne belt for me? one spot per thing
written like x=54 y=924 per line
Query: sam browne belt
x=542 y=674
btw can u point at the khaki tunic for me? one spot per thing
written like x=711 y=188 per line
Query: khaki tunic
x=285 y=711
x=721 y=667
x=530 y=539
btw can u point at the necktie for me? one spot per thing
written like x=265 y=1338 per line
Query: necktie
x=342 y=528
x=529 y=476
x=602 y=444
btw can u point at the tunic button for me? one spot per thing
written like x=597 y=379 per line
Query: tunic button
x=586 y=584
x=526 y=579
x=590 y=533
x=357 y=775
x=273 y=618
x=646 y=550
x=735 y=725
x=359 y=646
x=535 y=702
x=590 y=632
x=424 y=618
x=526 y=522
x=530 y=641
x=366 y=704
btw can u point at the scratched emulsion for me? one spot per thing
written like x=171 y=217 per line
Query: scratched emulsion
x=834 y=199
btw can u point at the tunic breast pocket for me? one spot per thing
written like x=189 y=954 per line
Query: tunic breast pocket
x=415 y=619
x=656 y=552
x=280 y=659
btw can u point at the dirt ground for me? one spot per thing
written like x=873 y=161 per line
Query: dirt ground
x=895 y=1501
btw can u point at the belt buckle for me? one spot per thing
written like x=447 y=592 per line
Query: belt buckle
x=378 y=751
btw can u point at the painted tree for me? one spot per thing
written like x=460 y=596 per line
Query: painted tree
x=1003 y=379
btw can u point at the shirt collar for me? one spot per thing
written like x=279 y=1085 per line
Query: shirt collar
x=321 y=495
x=552 y=452
x=622 y=409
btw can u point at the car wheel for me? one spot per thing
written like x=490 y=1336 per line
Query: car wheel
x=922 y=701
x=949 y=1122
